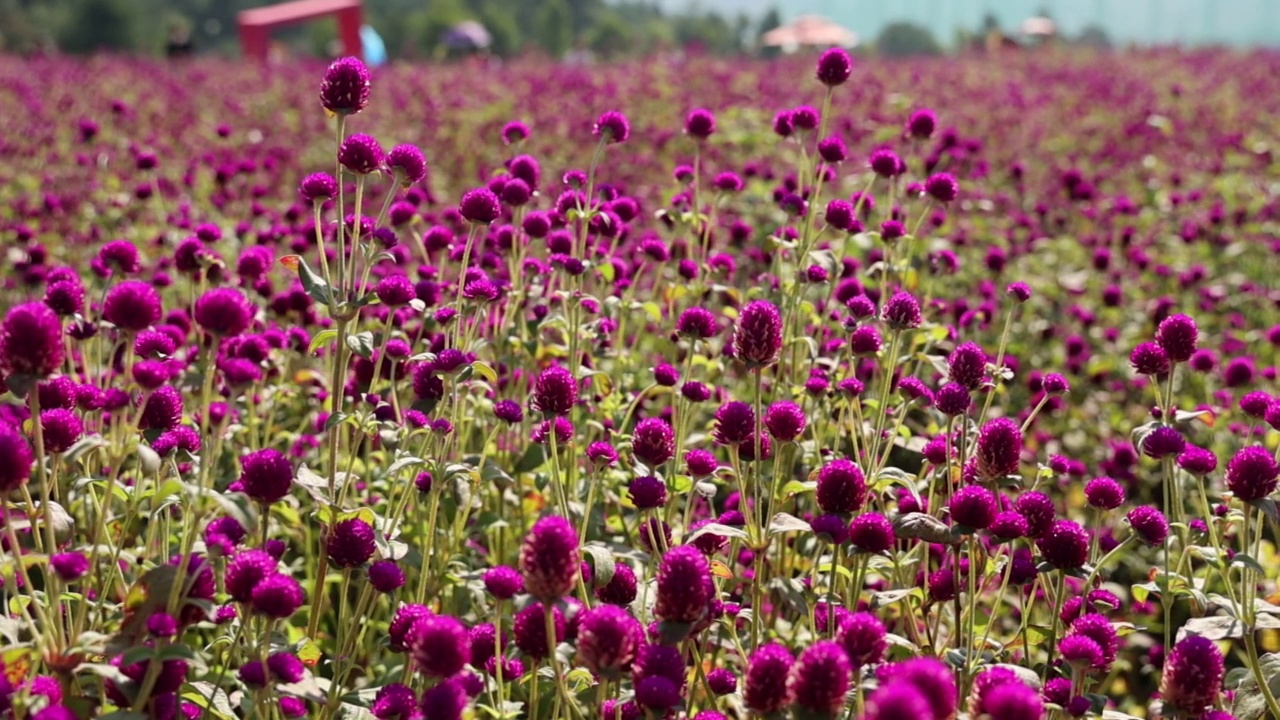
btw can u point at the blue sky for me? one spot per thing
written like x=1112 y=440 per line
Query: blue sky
x=1234 y=22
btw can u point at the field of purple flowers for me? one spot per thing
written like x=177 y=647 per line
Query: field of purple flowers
x=706 y=389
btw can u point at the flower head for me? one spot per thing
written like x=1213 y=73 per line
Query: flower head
x=841 y=487
x=819 y=679
x=999 y=449
x=612 y=127
x=556 y=391
x=350 y=543
x=31 y=341
x=361 y=154
x=345 y=87
x=266 y=475
x=765 y=685
x=549 y=559
x=1065 y=544
x=834 y=67
x=608 y=640
x=440 y=645
x=1252 y=473
x=685 y=586
x=757 y=338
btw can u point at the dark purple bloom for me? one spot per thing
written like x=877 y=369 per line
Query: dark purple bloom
x=345 y=87
x=277 y=596
x=841 y=487
x=480 y=206
x=785 y=420
x=266 y=475
x=871 y=533
x=819 y=679
x=757 y=339
x=765 y=684
x=653 y=442
x=999 y=449
x=973 y=506
x=350 y=543
x=902 y=311
x=834 y=67
x=440 y=645
x=1149 y=359
x=549 y=559
x=1177 y=336
x=1193 y=675
x=862 y=636
x=685 y=587
x=1149 y=524
x=612 y=127
x=1065 y=545
x=608 y=640
x=1252 y=473
x=1104 y=493
x=555 y=392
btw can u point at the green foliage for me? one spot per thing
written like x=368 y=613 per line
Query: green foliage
x=102 y=25
x=902 y=39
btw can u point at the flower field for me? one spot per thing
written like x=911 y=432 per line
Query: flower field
x=815 y=388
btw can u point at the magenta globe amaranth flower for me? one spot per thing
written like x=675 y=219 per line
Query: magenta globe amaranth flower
x=608 y=640
x=246 y=571
x=697 y=323
x=1038 y=510
x=785 y=420
x=549 y=559
x=862 y=636
x=973 y=506
x=350 y=543
x=819 y=679
x=1177 y=335
x=69 y=566
x=1013 y=701
x=361 y=154
x=31 y=341
x=942 y=187
x=621 y=589
x=407 y=164
x=841 y=487
x=278 y=596
x=224 y=312
x=612 y=127
x=345 y=87
x=735 y=423
x=653 y=442
x=1197 y=460
x=930 y=676
x=1149 y=359
x=480 y=206
x=685 y=587
x=132 y=306
x=765 y=684
x=871 y=533
x=967 y=365
x=757 y=338
x=1065 y=544
x=266 y=475
x=1104 y=493
x=1149 y=524
x=999 y=449
x=555 y=392
x=922 y=123
x=1193 y=675
x=1252 y=473
x=902 y=311
x=898 y=700
x=386 y=576
x=834 y=67
x=530 y=630
x=700 y=124
x=318 y=187
x=61 y=428
x=1163 y=442
x=440 y=645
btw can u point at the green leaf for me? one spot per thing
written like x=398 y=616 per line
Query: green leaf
x=786 y=523
x=1247 y=561
x=602 y=564
x=1249 y=701
x=321 y=339
x=317 y=287
x=534 y=456
x=361 y=344
x=484 y=371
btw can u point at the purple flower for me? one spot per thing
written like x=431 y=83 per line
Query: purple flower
x=1149 y=359
x=653 y=442
x=132 y=306
x=1252 y=473
x=685 y=586
x=899 y=700
x=871 y=533
x=697 y=323
x=862 y=636
x=608 y=640
x=612 y=127
x=386 y=576
x=61 y=428
x=1013 y=701
x=700 y=463
x=819 y=679
x=1098 y=628
x=246 y=571
x=1039 y=511
x=1197 y=460
x=277 y=596
x=647 y=492
x=503 y=582
x=224 y=312
x=1177 y=336
x=942 y=187
x=930 y=676
x=69 y=566
x=700 y=124
x=902 y=311
x=407 y=164
x=31 y=341
x=530 y=630
x=735 y=423
x=549 y=559
x=360 y=154
x=785 y=420
x=973 y=506
x=345 y=87
x=841 y=487
x=621 y=589
x=922 y=123
x=757 y=338
x=1149 y=524
x=999 y=449
x=1065 y=545
x=440 y=645
x=555 y=392
x=1080 y=651
x=1163 y=442
x=480 y=206
x=1104 y=493
x=318 y=187
x=350 y=543
x=266 y=476
x=834 y=67
x=445 y=701
x=765 y=685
